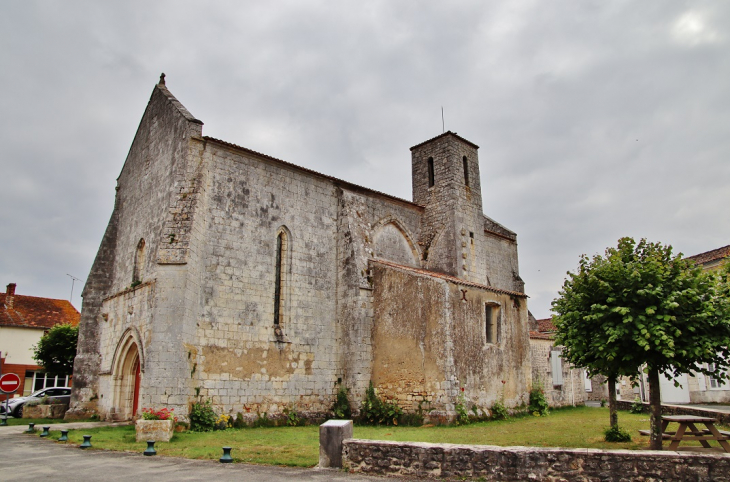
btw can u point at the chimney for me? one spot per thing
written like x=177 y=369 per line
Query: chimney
x=10 y=295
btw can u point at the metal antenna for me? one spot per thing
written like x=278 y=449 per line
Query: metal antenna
x=443 y=125
x=73 y=280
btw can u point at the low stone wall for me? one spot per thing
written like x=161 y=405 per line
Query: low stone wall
x=721 y=417
x=44 y=411
x=530 y=463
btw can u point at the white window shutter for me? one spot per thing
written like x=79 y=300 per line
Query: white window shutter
x=556 y=366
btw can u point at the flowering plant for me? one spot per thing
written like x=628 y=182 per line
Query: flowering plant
x=161 y=414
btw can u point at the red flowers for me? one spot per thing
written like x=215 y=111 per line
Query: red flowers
x=162 y=414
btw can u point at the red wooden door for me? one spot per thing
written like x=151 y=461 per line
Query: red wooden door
x=135 y=400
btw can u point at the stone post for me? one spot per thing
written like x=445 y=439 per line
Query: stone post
x=331 y=435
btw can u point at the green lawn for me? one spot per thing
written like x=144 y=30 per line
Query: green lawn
x=580 y=427
x=39 y=422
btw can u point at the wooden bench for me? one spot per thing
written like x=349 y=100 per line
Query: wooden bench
x=665 y=436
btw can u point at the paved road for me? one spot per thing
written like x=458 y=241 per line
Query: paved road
x=30 y=458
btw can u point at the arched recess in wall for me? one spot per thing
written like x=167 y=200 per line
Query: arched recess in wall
x=392 y=242
x=434 y=250
x=127 y=369
x=282 y=276
x=139 y=259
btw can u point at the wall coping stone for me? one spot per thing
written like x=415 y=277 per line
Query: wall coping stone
x=422 y=459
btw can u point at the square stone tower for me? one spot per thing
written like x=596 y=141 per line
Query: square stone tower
x=446 y=181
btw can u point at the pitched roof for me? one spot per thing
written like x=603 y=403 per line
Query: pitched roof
x=338 y=182
x=446 y=277
x=447 y=133
x=709 y=256
x=546 y=325
x=34 y=312
x=545 y=330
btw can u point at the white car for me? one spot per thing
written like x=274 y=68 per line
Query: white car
x=15 y=405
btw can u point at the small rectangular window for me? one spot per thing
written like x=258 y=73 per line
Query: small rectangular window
x=492 y=323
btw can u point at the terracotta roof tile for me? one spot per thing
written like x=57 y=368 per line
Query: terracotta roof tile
x=446 y=277
x=546 y=325
x=709 y=256
x=34 y=312
x=536 y=335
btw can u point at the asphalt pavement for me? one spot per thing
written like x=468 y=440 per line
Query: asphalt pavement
x=30 y=458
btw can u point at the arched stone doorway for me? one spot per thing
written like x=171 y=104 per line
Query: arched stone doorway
x=126 y=376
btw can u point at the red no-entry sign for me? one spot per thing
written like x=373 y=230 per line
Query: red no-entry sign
x=9 y=383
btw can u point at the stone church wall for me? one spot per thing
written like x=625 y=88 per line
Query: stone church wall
x=185 y=280
x=429 y=342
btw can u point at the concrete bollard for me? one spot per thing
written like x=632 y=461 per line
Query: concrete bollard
x=331 y=435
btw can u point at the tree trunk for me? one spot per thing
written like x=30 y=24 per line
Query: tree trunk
x=655 y=402
x=613 y=412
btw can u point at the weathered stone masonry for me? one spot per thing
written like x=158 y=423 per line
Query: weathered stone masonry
x=209 y=240
x=505 y=464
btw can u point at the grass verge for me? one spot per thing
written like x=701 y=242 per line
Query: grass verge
x=580 y=427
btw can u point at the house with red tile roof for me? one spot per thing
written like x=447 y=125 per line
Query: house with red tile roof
x=562 y=383
x=703 y=388
x=23 y=321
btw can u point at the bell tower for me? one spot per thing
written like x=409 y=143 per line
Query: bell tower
x=445 y=176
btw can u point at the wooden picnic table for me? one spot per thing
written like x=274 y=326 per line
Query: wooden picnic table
x=688 y=422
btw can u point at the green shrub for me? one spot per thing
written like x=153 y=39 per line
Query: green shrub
x=538 y=404
x=616 y=434
x=341 y=408
x=411 y=419
x=637 y=406
x=375 y=411
x=263 y=420
x=462 y=417
x=202 y=417
x=603 y=402
x=239 y=422
x=499 y=411
x=292 y=417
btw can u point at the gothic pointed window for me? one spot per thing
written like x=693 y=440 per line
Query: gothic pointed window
x=280 y=274
x=138 y=263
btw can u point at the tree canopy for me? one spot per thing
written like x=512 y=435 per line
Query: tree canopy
x=638 y=307
x=56 y=349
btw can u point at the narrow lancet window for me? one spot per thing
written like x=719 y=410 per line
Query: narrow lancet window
x=138 y=263
x=279 y=278
x=466 y=171
x=430 y=172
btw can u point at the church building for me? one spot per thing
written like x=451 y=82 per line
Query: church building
x=231 y=276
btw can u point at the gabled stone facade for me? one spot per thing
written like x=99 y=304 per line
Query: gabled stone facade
x=228 y=275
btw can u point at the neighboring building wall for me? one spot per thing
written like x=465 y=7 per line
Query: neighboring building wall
x=23 y=321
x=18 y=343
x=563 y=387
x=420 y=358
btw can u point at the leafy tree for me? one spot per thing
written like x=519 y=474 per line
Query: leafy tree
x=56 y=350
x=638 y=307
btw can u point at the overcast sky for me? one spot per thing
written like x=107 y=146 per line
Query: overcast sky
x=595 y=119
